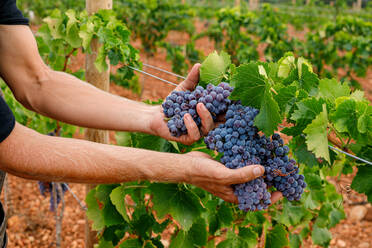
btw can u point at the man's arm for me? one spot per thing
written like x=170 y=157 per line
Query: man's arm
x=31 y=155
x=64 y=97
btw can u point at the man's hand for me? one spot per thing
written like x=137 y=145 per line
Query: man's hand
x=159 y=126
x=214 y=177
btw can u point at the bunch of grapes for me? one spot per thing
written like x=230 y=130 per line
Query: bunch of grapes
x=178 y=103
x=47 y=187
x=241 y=144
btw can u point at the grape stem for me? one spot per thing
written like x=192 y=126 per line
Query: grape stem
x=337 y=134
x=273 y=90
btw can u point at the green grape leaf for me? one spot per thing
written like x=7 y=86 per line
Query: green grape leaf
x=302 y=61
x=277 y=237
x=100 y=62
x=131 y=243
x=269 y=117
x=181 y=240
x=117 y=198
x=309 y=202
x=110 y=215
x=362 y=182
x=176 y=200
x=321 y=236
x=303 y=156
x=294 y=240
x=316 y=135
x=198 y=232
x=286 y=65
x=305 y=112
x=250 y=85
x=331 y=89
x=105 y=244
x=73 y=38
x=335 y=217
x=54 y=22
x=353 y=117
x=292 y=215
x=286 y=96
x=248 y=235
x=115 y=233
x=86 y=34
x=214 y=68
x=309 y=81
x=94 y=211
x=142 y=224
x=239 y=241
x=71 y=16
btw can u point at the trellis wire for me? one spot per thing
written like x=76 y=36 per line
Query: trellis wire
x=162 y=70
x=149 y=74
x=350 y=155
x=174 y=74
x=75 y=196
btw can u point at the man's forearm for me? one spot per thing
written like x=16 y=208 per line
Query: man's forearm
x=28 y=154
x=60 y=95
x=64 y=97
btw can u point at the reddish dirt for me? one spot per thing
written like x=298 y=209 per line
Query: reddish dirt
x=31 y=224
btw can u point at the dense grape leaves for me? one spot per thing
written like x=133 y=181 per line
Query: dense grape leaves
x=331 y=89
x=246 y=238
x=117 y=198
x=277 y=237
x=269 y=118
x=294 y=240
x=321 y=236
x=110 y=215
x=303 y=156
x=214 y=68
x=222 y=217
x=316 y=135
x=94 y=212
x=249 y=84
x=353 y=117
x=252 y=89
x=293 y=215
x=362 y=182
x=197 y=235
x=178 y=201
x=131 y=243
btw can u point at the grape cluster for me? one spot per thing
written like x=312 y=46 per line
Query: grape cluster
x=242 y=145
x=178 y=103
x=47 y=187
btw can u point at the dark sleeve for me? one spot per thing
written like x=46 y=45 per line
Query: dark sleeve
x=7 y=120
x=10 y=14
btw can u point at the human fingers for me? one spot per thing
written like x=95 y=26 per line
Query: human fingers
x=192 y=79
x=245 y=174
x=205 y=117
x=276 y=196
x=193 y=132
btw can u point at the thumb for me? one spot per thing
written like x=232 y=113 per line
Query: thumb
x=192 y=79
x=245 y=174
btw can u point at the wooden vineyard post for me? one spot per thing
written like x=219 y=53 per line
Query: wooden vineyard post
x=102 y=81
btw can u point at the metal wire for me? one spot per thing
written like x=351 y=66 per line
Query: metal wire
x=149 y=74
x=350 y=155
x=82 y=205
x=165 y=71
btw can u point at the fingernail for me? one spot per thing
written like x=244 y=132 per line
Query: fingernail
x=257 y=171
x=204 y=108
